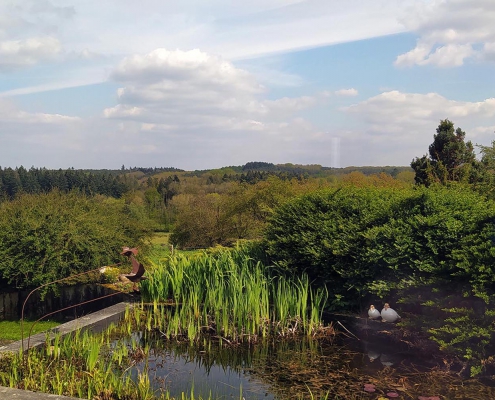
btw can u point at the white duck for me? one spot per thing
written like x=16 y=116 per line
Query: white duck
x=389 y=314
x=373 y=313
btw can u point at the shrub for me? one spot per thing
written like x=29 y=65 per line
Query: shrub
x=433 y=248
x=51 y=236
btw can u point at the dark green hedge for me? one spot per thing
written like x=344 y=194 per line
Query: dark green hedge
x=370 y=240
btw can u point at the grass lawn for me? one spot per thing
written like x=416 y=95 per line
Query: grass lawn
x=10 y=331
x=160 y=239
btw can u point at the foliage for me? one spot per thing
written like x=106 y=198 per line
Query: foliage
x=50 y=236
x=204 y=220
x=41 y=180
x=381 y=241
x=110 y=275
x=324 y=234
x=226 y=292
x=450 y=158
x=362 y=235
x=486 y=182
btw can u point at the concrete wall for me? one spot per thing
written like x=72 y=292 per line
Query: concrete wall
x=11 y=302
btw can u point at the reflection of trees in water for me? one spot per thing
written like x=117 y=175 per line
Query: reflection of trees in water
x=313 y=369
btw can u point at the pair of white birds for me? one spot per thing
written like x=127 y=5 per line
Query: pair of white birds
x=388 y=314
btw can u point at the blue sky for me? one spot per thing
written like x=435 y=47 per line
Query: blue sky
x=205 y=84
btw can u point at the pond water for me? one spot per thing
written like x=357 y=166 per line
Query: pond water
x=298 y=369
x=178 y=373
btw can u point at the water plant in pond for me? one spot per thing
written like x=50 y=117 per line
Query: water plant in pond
x=230 y=295
x=82 y=364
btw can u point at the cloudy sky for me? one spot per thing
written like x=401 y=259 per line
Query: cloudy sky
x=201 y=84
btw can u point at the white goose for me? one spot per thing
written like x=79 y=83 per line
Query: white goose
x=373 y=313
x=389 y=314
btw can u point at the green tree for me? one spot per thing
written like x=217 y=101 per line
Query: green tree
x=11 y=183
x=450 y=158
x=201 y=221
x=486 y=184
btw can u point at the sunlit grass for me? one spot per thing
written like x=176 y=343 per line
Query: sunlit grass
x=160 y=239
x=11 y=330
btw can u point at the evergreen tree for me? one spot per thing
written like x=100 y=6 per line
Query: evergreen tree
x=450 y=158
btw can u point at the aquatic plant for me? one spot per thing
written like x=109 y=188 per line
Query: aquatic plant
x=230 y=295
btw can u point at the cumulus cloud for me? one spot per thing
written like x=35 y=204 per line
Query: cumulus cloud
x=347 y=92
x=401 y=125
x=29 y=32
x=450 y=32
x=406 y=109
x=197 y=108
x=21 y=53
x=195 y=90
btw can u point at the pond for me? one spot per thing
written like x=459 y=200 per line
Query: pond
x=302 y=368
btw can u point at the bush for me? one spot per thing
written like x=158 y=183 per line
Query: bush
x=325 y=235
x=355 y=239
x=51 y=236
x=433 y=248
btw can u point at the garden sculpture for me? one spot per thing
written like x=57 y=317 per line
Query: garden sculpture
x=136 y=275
x=389 y=314
x=373 y=313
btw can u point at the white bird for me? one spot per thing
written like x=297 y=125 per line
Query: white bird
x=389 y=314
x=388 y=360
x=373 y=355
x=373 y=313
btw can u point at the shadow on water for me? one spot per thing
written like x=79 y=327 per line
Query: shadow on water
x=299 y=369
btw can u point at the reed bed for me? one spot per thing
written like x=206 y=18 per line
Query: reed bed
x=230 y=295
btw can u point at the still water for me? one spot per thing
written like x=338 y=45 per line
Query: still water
x=299 y=369
x=179 y=373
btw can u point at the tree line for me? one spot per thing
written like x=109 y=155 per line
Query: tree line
x=42 y=180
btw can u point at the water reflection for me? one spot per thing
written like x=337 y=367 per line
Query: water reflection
x=178 y=373
x=302 y=369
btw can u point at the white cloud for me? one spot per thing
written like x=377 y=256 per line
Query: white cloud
x=30 y=32
x=489 y=51
x=232 y=29
x=192 y=90
x=33 y=138
x=449 y=32
x=406 y=109
x=347 y=92
x=196 y=107
x=21 y=53
x=400 y=126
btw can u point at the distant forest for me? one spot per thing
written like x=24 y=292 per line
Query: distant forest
x=116 y=183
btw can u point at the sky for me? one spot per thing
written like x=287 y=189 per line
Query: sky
x=204 y=84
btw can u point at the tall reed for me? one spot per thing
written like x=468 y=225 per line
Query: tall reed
x=230 y=295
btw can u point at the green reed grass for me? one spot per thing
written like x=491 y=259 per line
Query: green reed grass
x=86 y=365
x=231 y=295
